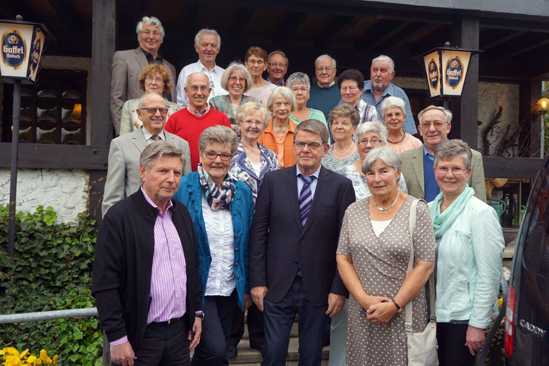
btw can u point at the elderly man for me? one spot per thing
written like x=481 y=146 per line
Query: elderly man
x=380 y=86
x=127 y=66
x=123 y=170
x=277 y=67
x=417 y=165
x=188 y=123
x=150 y=315
x=207 y=44
x=299 y=211
x=324 y=92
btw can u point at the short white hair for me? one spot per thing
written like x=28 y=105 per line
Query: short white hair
x=372 y=127
x=284 y=92
x=384 y=58
x=205 y=31
x=391 y=102
x=197 y=73
x=332 y=60
x=150 y=21
x=238 y=67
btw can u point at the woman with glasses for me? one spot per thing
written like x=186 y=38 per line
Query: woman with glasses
x=343 y=152
x=280 y=132
x=351 y=85
x=300 y=85
x=236 y=80
x=393 y=110
x=156 y=79
x=256 y=62
x=221 y=209
x=469 y=248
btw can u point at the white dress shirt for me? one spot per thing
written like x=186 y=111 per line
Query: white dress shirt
x=214 y=75
x=219 y=229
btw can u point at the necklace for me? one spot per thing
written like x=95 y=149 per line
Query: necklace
x=385 y=209
x=403 y=134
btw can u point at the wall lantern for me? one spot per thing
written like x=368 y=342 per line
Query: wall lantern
x=22 y=45
x=446 y=69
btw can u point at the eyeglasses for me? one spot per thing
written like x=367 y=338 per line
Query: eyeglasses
x=436 y=124
x=253 y=123
x=455 y=171
x=212 y=155
x=372 y=141
x=312 y=145
x=153 y=110
x=155 y=79
x=236 y=78
x=324 y=69
x=148 y=33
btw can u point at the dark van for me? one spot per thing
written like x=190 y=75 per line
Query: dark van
x=526 y=336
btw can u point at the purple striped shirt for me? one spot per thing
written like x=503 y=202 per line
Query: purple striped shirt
x=168 y=276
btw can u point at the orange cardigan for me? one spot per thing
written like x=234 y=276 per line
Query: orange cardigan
x=268 y=140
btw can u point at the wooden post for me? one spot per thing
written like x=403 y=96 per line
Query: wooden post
x=469 y=30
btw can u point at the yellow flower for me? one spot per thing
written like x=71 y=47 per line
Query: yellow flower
x=44 y=357
x=11 y=351
x=32 y=360
x=13 y=361
x=24 y=354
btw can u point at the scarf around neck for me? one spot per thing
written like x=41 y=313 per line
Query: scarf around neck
x=218 y=197
x=443 y=221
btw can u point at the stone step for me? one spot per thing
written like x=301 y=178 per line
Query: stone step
x=248 y=356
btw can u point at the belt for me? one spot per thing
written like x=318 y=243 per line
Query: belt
x=167 y=323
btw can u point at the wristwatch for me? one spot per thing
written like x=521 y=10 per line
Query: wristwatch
x=199 y=314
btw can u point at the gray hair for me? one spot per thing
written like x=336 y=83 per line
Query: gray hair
x=334 y=64
x=218 y=135
x=197 y=73
x=313 y=126
x=454 y=148
x=252 y=106
x=235 y=66
x=141 y=101
x=157 y=150
x=298 y=78
x=150 y=21
x=447 y=113
x=205 y=31
x=284 y=92
x=384 y=58
x=383 y=153
x=372 y=127
x=393 y=102
x=280 y=53
x=345 y=111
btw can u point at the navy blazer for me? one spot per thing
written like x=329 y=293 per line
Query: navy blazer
x=190 y=194
x=279 y=245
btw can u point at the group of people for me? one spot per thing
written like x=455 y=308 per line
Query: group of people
x=233 y=198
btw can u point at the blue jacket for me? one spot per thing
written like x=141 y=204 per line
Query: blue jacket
x=190 y=194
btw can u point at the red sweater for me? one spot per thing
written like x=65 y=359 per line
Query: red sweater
x=189 y=127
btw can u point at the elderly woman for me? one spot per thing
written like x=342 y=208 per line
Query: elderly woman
x=394 y=116
x=374 y=250
x=469 y=248
x=280 y=132
x=221 y=210
x=300 y=84
x=252 y=160
x=256 y=62
x=236 y=80
x=351 y=85
x=154 y=78
x=343 y=152
x=368 y=136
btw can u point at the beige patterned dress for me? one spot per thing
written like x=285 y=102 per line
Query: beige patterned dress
x=381 y=264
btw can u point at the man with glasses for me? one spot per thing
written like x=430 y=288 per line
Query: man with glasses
x=417 y=165
x=298 y=212
x=189 y=122
x=324 y=91
x=127 y=66
x=277 y=67
x=123 y=168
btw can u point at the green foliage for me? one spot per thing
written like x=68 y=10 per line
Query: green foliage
x=49 y=270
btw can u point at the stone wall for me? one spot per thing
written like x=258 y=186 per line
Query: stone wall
x=66 y=191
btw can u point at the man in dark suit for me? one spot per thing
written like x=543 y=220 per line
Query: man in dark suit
x=150 y=315
x=127 y=66
x=293 y=244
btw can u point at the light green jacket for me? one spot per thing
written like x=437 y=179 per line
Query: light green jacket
x=469 y=265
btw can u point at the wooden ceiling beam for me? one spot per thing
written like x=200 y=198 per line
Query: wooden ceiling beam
x=501 y=40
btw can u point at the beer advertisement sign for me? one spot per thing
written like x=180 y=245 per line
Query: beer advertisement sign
x=454 y=69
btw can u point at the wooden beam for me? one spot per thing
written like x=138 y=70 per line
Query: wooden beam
x=534 y=46
x=496 y=167
x=384 y=39
x=469 y=35
x=54 y=156
x=502 y=40
x=103 y=43
x=416 y=36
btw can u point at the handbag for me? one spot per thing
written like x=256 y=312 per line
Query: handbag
x=422 y=346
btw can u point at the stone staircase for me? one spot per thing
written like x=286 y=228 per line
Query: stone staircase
x=250 y=357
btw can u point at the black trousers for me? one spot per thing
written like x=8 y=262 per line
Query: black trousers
x=279 y=318
x=164 y=344
x=452 y=350
x=219 y=312
x=256 y=332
